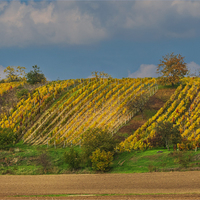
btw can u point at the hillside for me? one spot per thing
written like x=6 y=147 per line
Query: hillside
x=183 y=109
x=11 y=93
x=154 y=103
x=60 y=112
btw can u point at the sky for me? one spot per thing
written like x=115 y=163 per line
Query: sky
x=70 y=39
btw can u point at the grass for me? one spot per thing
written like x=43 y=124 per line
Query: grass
x=167 y=86
x=23 y=159
x=148 y=113
x=114 y=194
x=151 y=160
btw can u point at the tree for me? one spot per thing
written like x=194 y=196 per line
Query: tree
x=15 y=73
x=7 y=137
x=35 y=76
x=172 y=68
x=166 y=133
x=97 y=74
x=73 y=158
x=97 y=138
x=139 y=103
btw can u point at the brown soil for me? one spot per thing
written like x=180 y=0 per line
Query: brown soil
x=174 y=185
x=155 y=103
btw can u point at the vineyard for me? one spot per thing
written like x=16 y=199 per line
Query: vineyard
x=60 y=112
x=182 y=109
x=5 y=87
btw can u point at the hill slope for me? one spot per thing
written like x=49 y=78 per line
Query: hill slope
x=151 y=107
x=183 y=109
x=61 y=111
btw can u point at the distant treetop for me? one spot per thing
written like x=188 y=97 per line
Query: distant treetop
x=14 y=73
x=35 y=76
x=97 y=74
x=171 y=69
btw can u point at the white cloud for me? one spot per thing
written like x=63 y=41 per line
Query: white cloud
x=144 y=71
x=160 y=19
x=2 y=75
x=36 y=23
x=85 y=22
x=193 y=67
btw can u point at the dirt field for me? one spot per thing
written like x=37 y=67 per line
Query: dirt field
x=177 y=185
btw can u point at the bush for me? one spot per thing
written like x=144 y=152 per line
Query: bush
x=73 y=159
x=101 y=160
x=97 y=139
x=44 y=160
x=22 y=93
x=2 y=81
x=7 y=137
x=182 y=158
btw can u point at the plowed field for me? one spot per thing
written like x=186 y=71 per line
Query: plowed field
x=171 y=185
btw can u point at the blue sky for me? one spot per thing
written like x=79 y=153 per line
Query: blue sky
x=70 y=39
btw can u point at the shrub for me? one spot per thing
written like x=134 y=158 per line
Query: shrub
x=101 y=160
x=22 y=93
x=7 y=137
x=97 y=139
x=44 y=160
x=182 y=158
x=73 y=159
x=2 y=81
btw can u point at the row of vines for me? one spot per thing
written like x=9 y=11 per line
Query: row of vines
x=60 y=112
x=182 y=109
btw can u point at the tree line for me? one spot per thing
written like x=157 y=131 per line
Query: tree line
x=14 y=73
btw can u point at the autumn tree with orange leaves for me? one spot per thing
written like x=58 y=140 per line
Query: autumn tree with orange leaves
x=171 y=69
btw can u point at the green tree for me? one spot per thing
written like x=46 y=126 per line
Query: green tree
x=171 y=69
x=73 y=158
x=35 y=76
x=167 y=134
x=97 y=139
x=7 y=137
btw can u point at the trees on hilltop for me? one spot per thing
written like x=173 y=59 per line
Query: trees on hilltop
x=14 y=73
x=171 y=69
x=35 y=76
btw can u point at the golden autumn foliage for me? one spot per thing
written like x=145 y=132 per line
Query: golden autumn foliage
x=171 y=69
x=14 y=73
x=97 y=74
x=101 y=160
x=182 y=109
x=83 y=104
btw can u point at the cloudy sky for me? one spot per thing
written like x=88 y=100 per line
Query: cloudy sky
x=70 y=39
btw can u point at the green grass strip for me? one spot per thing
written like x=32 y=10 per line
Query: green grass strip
x=129 y=194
